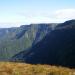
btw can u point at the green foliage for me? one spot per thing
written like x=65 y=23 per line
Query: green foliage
x=15 y=40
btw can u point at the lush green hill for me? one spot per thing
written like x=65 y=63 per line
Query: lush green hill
x=57 y=48
x=7 y=68
x=15 y=40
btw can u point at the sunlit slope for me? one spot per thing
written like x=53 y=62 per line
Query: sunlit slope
x=15 y=40
x=9 y=68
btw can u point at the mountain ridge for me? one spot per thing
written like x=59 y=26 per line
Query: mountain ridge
x=14 y=40
x=57 y=48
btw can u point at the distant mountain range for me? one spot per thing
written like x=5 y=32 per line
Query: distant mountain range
x=18 y=39
x=56 y=48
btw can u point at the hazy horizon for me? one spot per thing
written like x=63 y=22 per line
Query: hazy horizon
x=14 y=13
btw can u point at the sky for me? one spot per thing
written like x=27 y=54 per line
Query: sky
x=14 y=13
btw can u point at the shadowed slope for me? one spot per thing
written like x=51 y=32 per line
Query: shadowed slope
x=56 y=48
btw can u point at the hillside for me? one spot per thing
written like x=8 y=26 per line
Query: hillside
x=57 y=48
x=15 y=40
x=9 y=68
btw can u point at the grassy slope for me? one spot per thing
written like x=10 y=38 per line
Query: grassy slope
x=10 y=68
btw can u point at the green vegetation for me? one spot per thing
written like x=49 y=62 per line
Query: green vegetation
x=15 y=40
x=57 y=48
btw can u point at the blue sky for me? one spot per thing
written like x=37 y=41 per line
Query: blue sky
x=17 y=12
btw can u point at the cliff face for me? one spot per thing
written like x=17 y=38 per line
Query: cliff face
x=15 y=40
x=57 y=47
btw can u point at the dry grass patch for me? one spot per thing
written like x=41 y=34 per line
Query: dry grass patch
x=11 y=68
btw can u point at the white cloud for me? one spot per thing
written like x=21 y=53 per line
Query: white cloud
x=57 y=16
x=52 y=17
x=65 y=14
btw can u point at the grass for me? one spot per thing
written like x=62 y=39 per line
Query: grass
x=11 y=68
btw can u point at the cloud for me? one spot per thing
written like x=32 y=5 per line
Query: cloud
x=65 y=14
x=23 y=18
x=57 y=16
x=35 y=17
